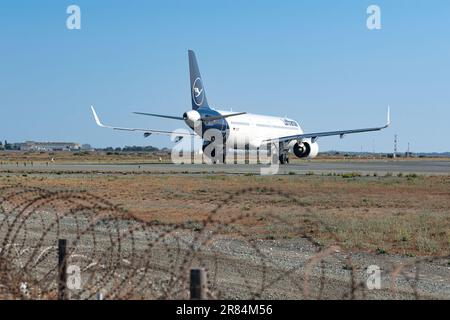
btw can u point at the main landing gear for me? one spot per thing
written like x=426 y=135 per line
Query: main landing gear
x=215 y=159
x=284 y=158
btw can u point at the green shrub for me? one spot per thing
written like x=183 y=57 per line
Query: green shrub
x=351 y=175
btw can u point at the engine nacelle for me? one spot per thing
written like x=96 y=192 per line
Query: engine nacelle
x=306 y=149
x=192 y=118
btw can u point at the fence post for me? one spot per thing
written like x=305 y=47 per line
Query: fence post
x=62 y=269
x=198 y=284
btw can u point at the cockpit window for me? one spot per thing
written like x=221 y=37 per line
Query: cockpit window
x=290 y=123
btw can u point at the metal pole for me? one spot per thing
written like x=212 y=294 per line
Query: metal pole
x=198 y=284
x=62 y=269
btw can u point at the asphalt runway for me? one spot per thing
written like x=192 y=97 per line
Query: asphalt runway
x=423 y=167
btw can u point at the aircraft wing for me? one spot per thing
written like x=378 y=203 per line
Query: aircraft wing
x=147 y=132
x=315 y=135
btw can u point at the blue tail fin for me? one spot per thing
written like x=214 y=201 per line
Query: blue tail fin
x=198 y=95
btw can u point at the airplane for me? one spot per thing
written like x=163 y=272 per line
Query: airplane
x=246 y=131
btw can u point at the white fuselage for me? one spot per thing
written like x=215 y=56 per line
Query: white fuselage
x=253 y=129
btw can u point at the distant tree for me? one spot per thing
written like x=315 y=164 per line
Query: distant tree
x=132 y=148
x=139 y=149
x=151 y=149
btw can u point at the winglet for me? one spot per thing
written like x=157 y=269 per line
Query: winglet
x=388 y=123
x=97 y=120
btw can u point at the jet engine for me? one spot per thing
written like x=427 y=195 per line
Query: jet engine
x=306 y=149
x=190 y=117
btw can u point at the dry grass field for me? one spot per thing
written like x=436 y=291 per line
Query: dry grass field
x=113 y=157
x=408 y=215
x=12 y=157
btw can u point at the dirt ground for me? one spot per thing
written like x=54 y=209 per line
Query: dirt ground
x=407 y=215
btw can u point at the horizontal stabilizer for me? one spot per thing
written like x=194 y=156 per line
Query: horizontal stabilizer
x=212 y=118
x=159 y=115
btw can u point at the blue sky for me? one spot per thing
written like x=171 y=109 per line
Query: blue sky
x=312 y=61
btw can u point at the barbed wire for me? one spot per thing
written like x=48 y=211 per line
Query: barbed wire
x=124 y=257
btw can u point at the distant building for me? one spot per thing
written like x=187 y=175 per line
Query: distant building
x=86 y=147
x=48 y=146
